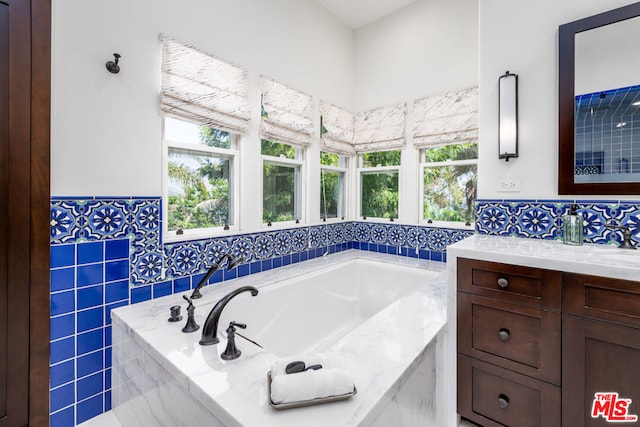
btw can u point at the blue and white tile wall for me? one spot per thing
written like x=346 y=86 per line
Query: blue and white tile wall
x=607 y=123
x=542 y=219
x=108 y=252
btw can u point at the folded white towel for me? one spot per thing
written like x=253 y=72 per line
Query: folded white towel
x=310 y=385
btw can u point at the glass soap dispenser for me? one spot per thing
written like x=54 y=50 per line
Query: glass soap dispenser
x=572 y=227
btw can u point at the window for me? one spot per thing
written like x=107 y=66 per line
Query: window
x=333 y=170
x=379 y=183
x=281 y=182
x=200 y=180
x=449 y=182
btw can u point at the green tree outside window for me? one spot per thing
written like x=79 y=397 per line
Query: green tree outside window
x=279 y=183
x=199 y=187
x=379 y=189
x=450 y=191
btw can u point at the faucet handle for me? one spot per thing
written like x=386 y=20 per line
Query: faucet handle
x=231 y=351
x=626 y=235
x=191 y=325
x=239 y=325
x=624 y=228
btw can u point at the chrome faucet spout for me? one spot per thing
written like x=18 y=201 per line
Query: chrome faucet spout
x=210 y=328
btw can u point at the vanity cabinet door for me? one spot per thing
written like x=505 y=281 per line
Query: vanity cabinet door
x=599 y=357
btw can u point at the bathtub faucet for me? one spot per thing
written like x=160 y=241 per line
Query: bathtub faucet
x=232 y=262
x=210 y=328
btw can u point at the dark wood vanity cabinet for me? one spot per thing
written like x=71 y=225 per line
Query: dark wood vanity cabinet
x=509 y=341
x=535 y=346
x=601 y=351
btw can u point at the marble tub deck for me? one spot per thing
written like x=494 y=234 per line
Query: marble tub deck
x=384 y=355
x=109 y=419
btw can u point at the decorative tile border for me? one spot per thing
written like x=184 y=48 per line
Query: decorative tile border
x=81 y=219
x=77 y=220
x=542 y=219
x=193 y=257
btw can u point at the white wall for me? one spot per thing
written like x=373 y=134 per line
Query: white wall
x=427 y=48
x=522 y=36
x=106 y=130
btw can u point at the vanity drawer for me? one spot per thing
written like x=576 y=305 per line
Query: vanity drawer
x=493 y=396
x=524 y=285
x=602 y=298
x=520 y=338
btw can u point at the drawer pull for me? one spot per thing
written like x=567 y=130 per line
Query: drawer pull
x=503 y=401
x=503 y=283
x=504 y=334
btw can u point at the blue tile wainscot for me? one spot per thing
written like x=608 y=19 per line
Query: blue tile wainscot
x=108 y=252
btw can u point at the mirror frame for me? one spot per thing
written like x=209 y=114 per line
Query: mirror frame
x=566 y=102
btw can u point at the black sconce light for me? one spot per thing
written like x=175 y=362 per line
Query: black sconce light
x=508 y=116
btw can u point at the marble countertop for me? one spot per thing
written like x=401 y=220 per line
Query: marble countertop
x=380 y=354
x=597 y=260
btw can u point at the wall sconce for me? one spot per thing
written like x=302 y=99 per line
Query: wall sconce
x=508 y=116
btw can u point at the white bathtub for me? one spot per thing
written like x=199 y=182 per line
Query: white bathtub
x=306 y=314
x=379 y=315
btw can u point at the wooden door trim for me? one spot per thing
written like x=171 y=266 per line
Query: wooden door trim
x=18 y=205
x=40 y=208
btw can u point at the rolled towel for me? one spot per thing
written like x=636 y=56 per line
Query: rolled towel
x=310 y=385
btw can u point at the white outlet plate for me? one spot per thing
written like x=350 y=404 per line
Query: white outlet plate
x=508 y=185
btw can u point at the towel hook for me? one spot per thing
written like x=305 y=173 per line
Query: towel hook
x=113 y=66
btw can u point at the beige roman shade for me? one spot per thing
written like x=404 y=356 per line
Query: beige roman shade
x=200 y=88
x=286 y=114
x=380 y=129
x=337 y=131
x=446 y=119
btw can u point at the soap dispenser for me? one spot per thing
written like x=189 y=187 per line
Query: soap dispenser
x=572 y=227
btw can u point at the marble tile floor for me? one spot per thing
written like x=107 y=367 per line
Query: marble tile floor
x=108 y=419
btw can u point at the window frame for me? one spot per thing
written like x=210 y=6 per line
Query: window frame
x=362 y=170
x=422 y=166
x=299 y=185
x=232 y=154
x=343 y=209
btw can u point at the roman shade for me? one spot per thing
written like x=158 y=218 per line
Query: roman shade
x=380 y=129
x=446 y=119
x=337 y=129
x=286 y=114
x=200 y=88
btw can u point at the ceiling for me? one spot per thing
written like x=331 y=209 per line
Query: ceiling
x=357 y=13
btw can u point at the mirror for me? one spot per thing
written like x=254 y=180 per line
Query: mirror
x=599 y=104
